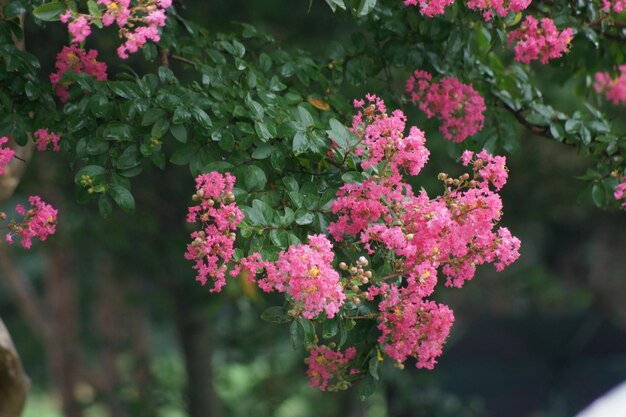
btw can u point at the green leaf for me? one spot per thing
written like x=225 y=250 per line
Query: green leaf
x=293 y=332
x=308 y=331
x=373 y=366
x=160 y=128
x=130 y=158
x=276 y=314
x=305 y=117
x=49 y=12
x=339 y=133
x=105 y=206
x=367 y=388
x=300 y=143
x=92 y=171
x=333 y=4
x=598 y=194
x=93 y=9
x=122 y=197
x=255 y=178
x=263 y=151
x=330 y=329
x=303 y=217
x=179 y=132
x=365 y=7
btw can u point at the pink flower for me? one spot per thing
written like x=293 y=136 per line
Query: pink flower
x=6 y=154
x=412 y=327
x=79 y=29
x=326 y=366
x=45 y=138
x=501 y=7
x=457 y=105
x=212 y=248
x=616 y=5
x=305 y=272
x=39 y=222
x=614 y=88
x=73 y=58
x=539 y=40
x=430 y=8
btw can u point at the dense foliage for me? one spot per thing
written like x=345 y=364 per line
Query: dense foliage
x=299 y=187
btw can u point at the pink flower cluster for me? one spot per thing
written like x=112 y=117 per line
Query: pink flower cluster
x=616 y=5
x=383 y=136
x=455 y=232
x=47 y=139
x=620 y=193
x=459 y=107
x=212 y=247
x=326 y=366
x=73 y=58
x=6 y=154
x=412 y=327
x=137 y=23
x=539 y=40
x=430 y=8
x=304 y=272
x=501 y=7
x=39 y=222
x=613 y=88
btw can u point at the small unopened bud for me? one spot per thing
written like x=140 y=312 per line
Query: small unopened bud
x=363 y=261
x=399 y=365
x=342 y=265
x=230 y=196
x=360 y=271
x=3 y=215
x=356 y=300
x=355 y=287
x=465 y=177
x=442 y=176
x=353 y=270
x=410 y=236
x=365 y=280
x=472 y=183
x=210 y=202
x=200 y=193
x=368 y=274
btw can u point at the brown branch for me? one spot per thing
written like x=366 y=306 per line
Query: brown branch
x=182 y=59
x=163 y=56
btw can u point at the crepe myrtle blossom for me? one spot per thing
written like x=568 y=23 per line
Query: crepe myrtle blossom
x=620 y=193
x=46 y=140
x=78 y=60
x=212 y=247
x=39 y=221
x=539 y=40
x=614 y=88
x=458 y=106
x=502 y=8
x=137 y=24
x=6 y=154
x=328 y=369
x=617 y=6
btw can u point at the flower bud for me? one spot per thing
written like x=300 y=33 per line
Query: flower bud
x=353 y=270
x=368 y=274
x=410 y=236
x=342 y=265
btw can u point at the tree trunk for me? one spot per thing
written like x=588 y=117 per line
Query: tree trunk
x=14 y=383
x=195 y=331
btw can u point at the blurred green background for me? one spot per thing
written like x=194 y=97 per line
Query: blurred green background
x=132 y=334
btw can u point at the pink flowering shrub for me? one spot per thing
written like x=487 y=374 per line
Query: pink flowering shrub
x=328 y=369
x=410 y=236
x=458 y=106
x=539 y=40
x=39 y=221
x=6 y=154
x=613 y=88
x=137 y=23
x=46 y=140
x=212 y=247
x=73 y=58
